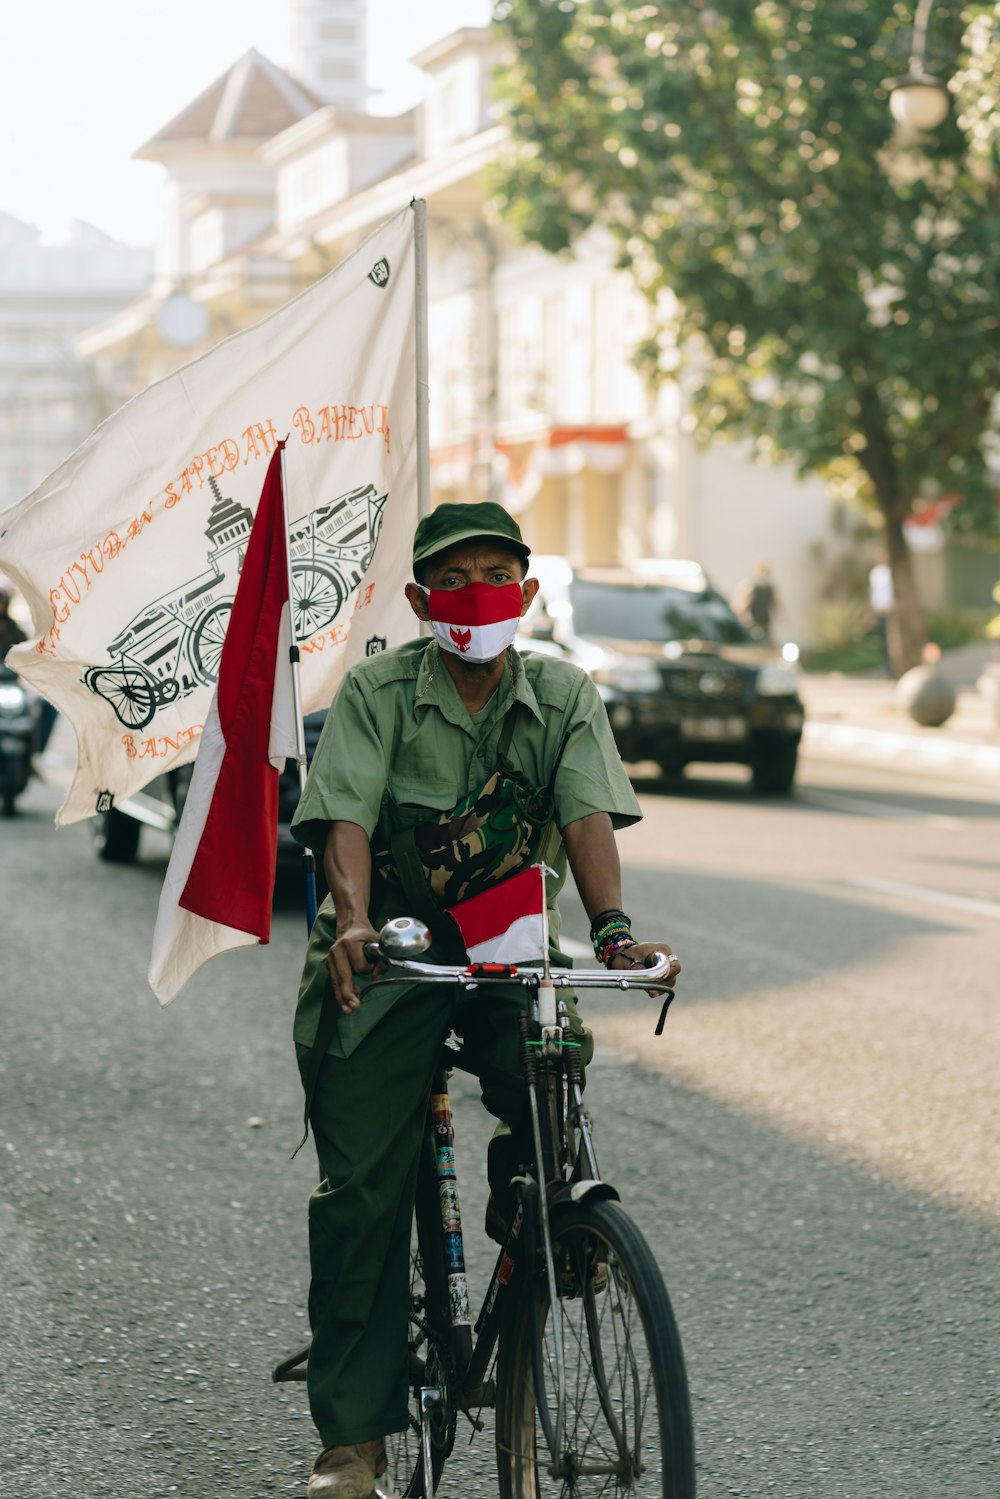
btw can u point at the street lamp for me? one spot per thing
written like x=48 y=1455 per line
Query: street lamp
x=919 y=101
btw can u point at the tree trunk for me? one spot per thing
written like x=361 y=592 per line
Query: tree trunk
x=907 y=633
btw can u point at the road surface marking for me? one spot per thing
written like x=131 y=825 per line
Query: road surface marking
x=907 y=751
x=574 y=949
x=835 y=800
x=930 y=897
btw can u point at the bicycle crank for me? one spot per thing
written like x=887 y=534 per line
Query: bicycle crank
x=433 y=1401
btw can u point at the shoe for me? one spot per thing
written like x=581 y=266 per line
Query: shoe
x=355 y=1471
x=568 y=1284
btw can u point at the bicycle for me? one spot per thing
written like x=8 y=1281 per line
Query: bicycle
x=591 y=1398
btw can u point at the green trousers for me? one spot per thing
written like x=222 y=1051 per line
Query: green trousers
x=368 y=1114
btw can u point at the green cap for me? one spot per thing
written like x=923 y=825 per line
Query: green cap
x=449 y=524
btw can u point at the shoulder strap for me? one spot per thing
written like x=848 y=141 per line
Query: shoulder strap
x=421 y=900
x=507 y=733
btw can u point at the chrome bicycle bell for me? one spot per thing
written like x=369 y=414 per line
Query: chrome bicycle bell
x=403 y=938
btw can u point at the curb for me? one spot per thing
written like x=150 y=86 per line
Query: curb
x=878 y=747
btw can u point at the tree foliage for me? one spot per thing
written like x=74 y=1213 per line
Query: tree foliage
x=833 y=287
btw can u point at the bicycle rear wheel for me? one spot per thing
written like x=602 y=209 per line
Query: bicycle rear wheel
x=627 y=1428
x=429 y=1356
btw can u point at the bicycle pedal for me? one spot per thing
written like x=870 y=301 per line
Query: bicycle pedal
x=291 y=1368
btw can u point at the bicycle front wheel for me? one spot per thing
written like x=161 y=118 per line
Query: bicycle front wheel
x=626 y=1426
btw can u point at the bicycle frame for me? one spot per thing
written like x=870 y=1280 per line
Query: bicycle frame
x=472 y=1347
x=564 y=1171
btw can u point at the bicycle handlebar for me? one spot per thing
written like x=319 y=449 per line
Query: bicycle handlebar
x=652 y=976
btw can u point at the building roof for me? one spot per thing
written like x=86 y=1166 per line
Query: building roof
x=253 y=101
x=455 y=41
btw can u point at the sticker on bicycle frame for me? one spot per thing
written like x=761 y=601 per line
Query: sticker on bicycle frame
x=454 y=1252
x=445 y=1160
x=458 y=1301
x=441 y=1116
x=451 y=1218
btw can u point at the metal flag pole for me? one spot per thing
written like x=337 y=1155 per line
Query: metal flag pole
x=419 y=207
x=308 y=857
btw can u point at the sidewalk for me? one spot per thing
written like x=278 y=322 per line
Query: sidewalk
x=857 y=718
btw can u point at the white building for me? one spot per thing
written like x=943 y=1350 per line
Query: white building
x=218 y=201
x=328 y=50
x=534 y=398
x=50 y=399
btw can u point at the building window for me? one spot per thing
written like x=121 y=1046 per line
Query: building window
x=338 y=31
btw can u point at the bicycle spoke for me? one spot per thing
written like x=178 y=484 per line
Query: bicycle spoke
x=627 y=1423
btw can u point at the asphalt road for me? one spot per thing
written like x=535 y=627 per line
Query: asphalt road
x=808 y=1148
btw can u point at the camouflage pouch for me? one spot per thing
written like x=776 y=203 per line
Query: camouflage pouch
x=492 y=833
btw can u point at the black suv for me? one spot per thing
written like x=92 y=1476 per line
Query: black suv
x=682 y=678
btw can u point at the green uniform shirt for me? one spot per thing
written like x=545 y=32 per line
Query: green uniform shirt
x=398 y=725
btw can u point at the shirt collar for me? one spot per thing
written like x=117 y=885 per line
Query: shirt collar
x=435 y=687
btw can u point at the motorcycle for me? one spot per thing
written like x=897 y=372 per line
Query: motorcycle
x=18 y=737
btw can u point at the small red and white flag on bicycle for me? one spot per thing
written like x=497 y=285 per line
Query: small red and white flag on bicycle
x=507 y=924
x=220 y=880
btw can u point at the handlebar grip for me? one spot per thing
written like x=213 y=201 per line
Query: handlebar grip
x=658 y=963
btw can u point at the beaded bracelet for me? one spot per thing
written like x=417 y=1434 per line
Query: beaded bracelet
x=610 y=927
x=613 y=948
x=610 y=934
x=602 y=917
x=620 y=927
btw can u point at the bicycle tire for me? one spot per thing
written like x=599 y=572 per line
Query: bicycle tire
x=429 y=1355
x=628 y=1426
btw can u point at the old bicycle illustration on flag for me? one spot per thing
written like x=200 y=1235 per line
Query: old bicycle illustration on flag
x=173 y=646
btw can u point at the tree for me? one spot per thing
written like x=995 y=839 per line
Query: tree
x=831 y=288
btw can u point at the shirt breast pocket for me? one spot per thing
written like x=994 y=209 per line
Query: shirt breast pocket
x=422 y=785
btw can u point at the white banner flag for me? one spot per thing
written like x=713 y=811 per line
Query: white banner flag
x=130 y=552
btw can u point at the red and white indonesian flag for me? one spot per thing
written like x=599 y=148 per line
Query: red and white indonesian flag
x=130 y=552
x=507 y=924
x=220 y=880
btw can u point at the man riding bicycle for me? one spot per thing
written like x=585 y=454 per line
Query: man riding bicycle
x=445 y=766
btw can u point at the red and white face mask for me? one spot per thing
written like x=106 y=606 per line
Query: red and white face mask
x=477 y=622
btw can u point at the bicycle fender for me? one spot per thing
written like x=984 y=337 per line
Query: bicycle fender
x=584 y=1191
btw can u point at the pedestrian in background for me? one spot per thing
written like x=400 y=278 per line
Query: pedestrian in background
x=12 y=634
x=757 y=602
x=881 y=603
x=10 y=631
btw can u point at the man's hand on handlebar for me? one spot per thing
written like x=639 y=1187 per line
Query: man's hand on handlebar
x=640 y=954
x=347 y=958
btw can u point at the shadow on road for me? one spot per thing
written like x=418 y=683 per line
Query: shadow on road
x=829 y=1317
x=840 y=1331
